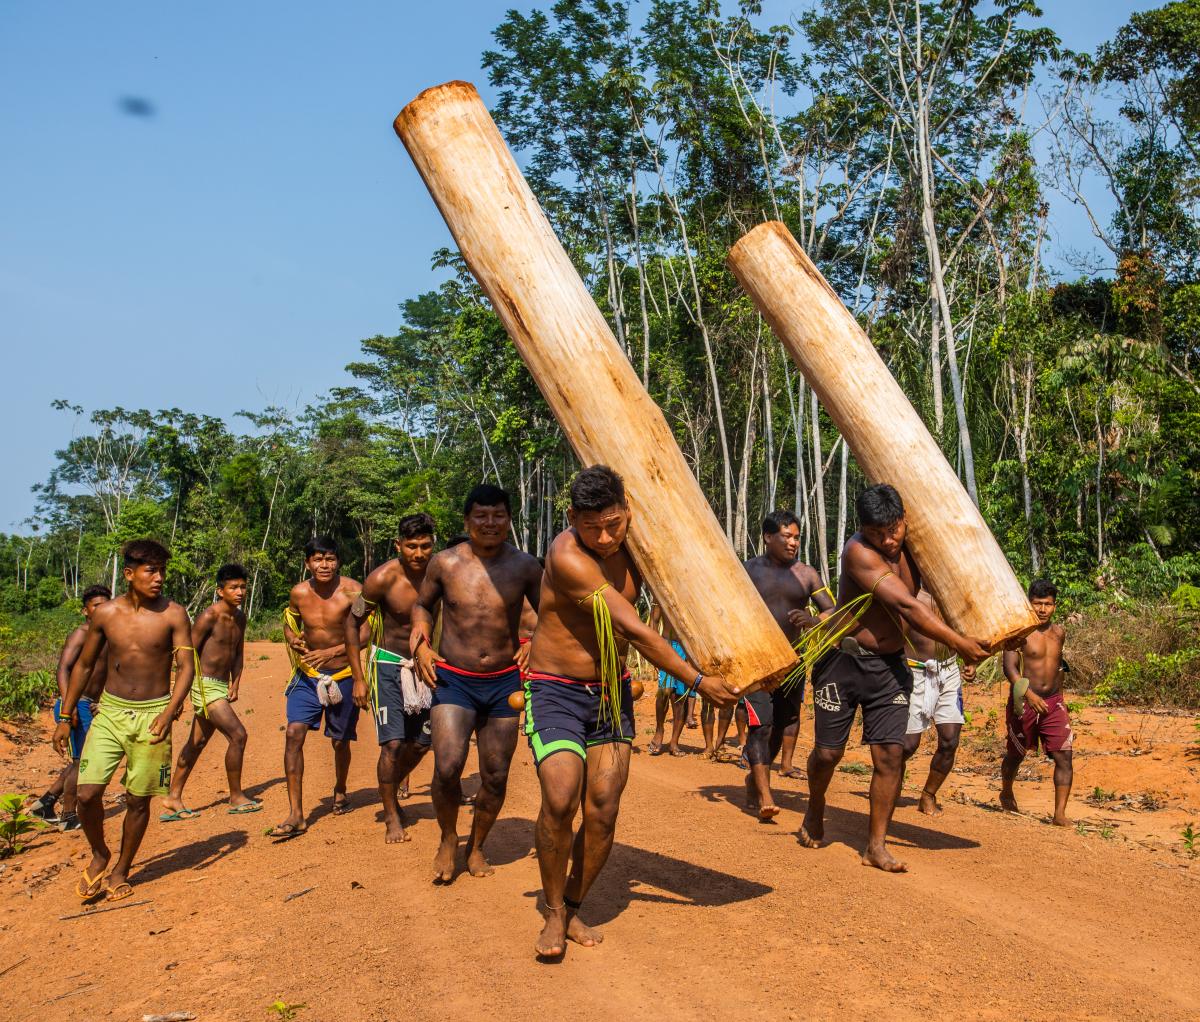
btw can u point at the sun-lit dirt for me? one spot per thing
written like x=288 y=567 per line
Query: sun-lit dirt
x=707 y=914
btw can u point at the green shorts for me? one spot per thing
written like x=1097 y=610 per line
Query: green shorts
x=206 y=691
x=121 y=730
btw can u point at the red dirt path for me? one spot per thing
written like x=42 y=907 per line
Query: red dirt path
x=706 y=913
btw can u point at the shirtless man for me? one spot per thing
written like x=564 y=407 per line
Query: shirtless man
x=141 y=632
x=580 y=729
x=672 y=693
x=482 y=585
x=399 y=701
x=869 y=669
x=936 y=701
x=1035 y=671
x=321 y=686
x=67 y=781
x=219 y=635
x=787 y=587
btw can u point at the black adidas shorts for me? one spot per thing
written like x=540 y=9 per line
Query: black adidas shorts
x=881 y=685
x=778 y=709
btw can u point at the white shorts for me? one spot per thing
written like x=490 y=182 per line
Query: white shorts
x=936 y=696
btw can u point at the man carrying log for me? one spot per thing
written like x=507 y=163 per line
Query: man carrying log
x=1037 y=711
x=787 y=587
x=865 y=666
x=398 y=700
x=482 y=586
x=142 y=633
x=936 y=701
x=578 y=702
x=314 y=628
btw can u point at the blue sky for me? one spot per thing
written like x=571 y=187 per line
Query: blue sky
x=230 y=250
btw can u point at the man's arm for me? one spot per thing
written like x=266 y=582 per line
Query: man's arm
x=818 y=594
x=80 y=673
x=1012 y=665
x=420 y=638
x=66 y=660
x=185 y=673
x=578 y=578
x=292 y=637
x=873 y=576
x=239 y=659
x=372 y=593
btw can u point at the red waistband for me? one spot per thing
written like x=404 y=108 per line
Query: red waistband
x=444 y=665
x=542 y=676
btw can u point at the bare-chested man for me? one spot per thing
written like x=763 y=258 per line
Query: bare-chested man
x=869 y=668
x=787 y=587
x=1036 y=710
x=219 y=635
x=399 y=701
x=321 y=686
x=936 y=701
x=579 y=729
x=482 y=585
x=141 y=632
x=66 y=783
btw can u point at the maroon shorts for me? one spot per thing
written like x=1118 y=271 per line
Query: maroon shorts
x=1052 y=728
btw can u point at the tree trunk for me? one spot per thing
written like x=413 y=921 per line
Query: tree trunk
x=820 y=527
x=589 y=384
x=959 y=558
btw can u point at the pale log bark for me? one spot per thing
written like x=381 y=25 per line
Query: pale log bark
x=959 y=558
x=589 y=384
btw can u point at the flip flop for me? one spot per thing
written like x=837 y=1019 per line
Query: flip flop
x=793 y=774
x=244 y=808
x=341 y=808
x=285 y=832
x=1019 y=688
x=122 y=891
x=180 y=814
x=654 y=748
x=84 y=888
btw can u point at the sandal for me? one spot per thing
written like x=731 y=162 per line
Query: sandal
x=285 y=832
x=90 y=887
x=122 y=891
x=179 y=814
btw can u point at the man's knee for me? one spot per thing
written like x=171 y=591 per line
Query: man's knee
x=137 y=805
x=389 y=752
x=237 y=737
x=824 y=757
x=887 y=757
x=89 y=795
x=296 y=733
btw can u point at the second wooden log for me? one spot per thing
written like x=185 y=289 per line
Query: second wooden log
x=960 y=560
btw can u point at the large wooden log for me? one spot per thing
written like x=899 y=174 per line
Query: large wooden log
x=589 y=384
x=960 y=560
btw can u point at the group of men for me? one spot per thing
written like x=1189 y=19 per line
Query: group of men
x=459 y=642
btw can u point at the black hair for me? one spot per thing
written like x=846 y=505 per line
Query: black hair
x=597 y=488
x=777 y=521
x=230 y=573
x=879 y=505
x=95 y=592
x=1042 y=588
x=462 y=537
x=414 y=526
x=320 y=545
x=145 y=551
x=486 y=495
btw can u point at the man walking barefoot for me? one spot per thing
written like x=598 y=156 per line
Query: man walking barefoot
x=219 y=635
x=482 y=586
x=142 y=634
x=400 y=703
x=580 y=722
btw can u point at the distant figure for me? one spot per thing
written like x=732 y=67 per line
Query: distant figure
x=672 y=693
x=1037 y=711
x=219 y=635
x=142 y=633
x=65 y=784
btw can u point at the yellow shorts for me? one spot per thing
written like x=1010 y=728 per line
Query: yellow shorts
x=206 y=691
x=121 y=730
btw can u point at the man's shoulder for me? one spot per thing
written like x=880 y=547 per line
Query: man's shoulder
x=381 y=577
x=300 y=589
x=348 y=584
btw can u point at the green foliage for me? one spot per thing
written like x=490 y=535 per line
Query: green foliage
x=1172 y=680
x=15 y=825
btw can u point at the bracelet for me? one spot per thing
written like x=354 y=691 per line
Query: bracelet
x=695 y=685
x=62 y=720
x=522 y=642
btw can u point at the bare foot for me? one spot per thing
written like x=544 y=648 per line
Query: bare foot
x=751 y=793
x=443 y=862
x=402 y=792
x=582 y=934
x=552 y=941
x=767 y=813
x=477 y=864
x=655 y=746
x=929 y=805
x=174 y=805
x=812 y=833
x=675 y=750
x=341 y=803
x=1008 y=802
x=394 y=833
x=1062 y=821
x=882 y=859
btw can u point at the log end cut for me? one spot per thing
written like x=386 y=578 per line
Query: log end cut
x=435 y=95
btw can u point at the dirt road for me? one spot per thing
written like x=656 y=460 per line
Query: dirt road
x=706 y=913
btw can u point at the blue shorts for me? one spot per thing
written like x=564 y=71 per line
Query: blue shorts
x=563 y=715
x=84 y=710
x=674 y=685
x=486 y=694
x=303 y=707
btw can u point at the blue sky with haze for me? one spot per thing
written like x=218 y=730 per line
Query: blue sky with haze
x=231 y=248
